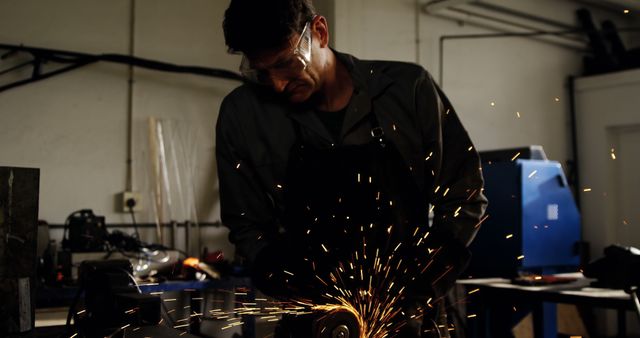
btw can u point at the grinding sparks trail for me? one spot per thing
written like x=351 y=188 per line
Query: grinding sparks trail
x=371 y=284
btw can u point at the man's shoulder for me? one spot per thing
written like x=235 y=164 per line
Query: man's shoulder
x=391 y=67
x=240 y=93
x=396 y=70
x=246 y=98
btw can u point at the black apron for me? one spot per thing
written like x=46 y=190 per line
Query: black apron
x=354 y=212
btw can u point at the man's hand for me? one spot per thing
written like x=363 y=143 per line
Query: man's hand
x=286 y=275
x=446 y=263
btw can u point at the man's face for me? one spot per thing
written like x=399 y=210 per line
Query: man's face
x=286 y=71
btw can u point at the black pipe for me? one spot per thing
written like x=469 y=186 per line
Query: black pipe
x=574 y=175
x=83 y=59
x=144 y=225
x=494 y=35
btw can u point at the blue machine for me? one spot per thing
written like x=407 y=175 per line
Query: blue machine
x=533 y=224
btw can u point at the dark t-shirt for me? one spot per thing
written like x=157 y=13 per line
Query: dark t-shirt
x=333 y=121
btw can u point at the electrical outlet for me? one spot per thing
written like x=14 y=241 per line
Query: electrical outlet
x=130 y=200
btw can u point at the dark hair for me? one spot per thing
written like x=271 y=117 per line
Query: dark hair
x=254 y=25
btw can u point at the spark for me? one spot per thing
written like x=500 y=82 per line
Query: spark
x=586 y=189
x=324 y=248
x=518 y=114
x=515 y=156
x=520 y=257
x=493 y=104
x=278 y=186
x=557 y=99
x=626 y=11
x=238 y=165
x=471 y=316
x=446 y=192
x=470 y=148
x=613 y=154
x=532 y=173
x=509 y=236
x=394 y=127
x=442 y=275
x=288 y=273
x=481 y=221
x=474 y=291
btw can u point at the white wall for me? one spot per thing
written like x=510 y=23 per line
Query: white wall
x=517 y=74
x=73 y=126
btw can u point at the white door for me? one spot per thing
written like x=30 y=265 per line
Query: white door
x=627 y=174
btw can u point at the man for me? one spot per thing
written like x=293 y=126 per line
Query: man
x=328 y=166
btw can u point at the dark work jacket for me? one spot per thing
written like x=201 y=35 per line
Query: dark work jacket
x=255 y=132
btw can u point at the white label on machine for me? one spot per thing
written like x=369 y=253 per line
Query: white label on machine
x=552 y=212
x=24 y=299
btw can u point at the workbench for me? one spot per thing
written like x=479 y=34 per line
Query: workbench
x=56 y=316
x=487 y=294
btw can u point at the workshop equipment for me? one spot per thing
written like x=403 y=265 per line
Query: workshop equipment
x=618 y=269
x=19 y=189
x=533 y=224
x=112 y=299
x=87 y=232
x=197 y=265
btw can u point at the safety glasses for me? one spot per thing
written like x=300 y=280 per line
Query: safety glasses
x=285 y=69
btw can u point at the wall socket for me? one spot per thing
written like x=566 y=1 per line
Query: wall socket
x=130 y=197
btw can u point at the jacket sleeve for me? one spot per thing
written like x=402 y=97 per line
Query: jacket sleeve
x=245 y=206
x=453 y=164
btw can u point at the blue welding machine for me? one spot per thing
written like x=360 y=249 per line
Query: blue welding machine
x=533 y=224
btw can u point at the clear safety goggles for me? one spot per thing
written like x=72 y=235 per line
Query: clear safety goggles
x=285 y=69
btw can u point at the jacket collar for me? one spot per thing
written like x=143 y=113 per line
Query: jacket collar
x=368 y=83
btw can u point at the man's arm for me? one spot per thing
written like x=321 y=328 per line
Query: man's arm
x=453 y=163
x=456 y=194
x=249 y=213
x=245 y=206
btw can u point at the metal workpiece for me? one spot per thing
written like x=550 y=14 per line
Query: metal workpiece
x=333 y=324
x=339 y=324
